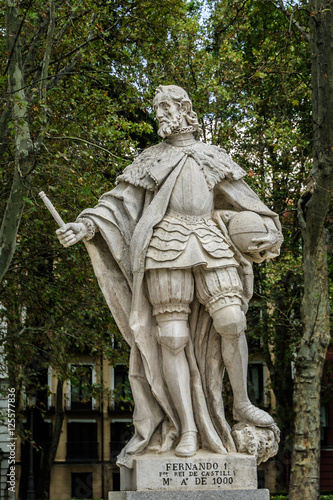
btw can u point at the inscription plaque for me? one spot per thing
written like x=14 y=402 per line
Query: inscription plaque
x=205 y=471
x=200 y=474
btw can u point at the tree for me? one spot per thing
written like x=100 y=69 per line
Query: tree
x=313 y=217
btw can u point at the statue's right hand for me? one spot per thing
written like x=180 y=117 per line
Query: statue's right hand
x=71 y=233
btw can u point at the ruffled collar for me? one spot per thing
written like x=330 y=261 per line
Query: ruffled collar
x=183 y=139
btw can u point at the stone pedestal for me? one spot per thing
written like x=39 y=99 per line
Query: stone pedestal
x=190 y=495
x=206 y=476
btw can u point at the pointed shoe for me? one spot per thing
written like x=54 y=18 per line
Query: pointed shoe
x=252 y=415
x=188 y=443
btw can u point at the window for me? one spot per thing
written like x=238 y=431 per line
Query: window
x=122 y=394
x=39 y=388
x=120 y=379
x=118 y=343
x=256 y=383
x=46 y=434
x=82 y=485
x=80 y=387
x=121 y=433
x=82 y=442
x=323 y=424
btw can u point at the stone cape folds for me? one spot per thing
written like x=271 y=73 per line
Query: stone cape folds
x=125 y=218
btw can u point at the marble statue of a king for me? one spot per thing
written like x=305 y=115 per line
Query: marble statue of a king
x=172 y=246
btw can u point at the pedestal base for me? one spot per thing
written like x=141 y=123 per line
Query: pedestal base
x=204 y=471
x=206 y=476
x=190 y=495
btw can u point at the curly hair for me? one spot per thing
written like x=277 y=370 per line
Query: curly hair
x=180 y=96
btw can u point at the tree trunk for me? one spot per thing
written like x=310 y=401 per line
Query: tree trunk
x=23 y=143
x=304 y=481
x=313 y=209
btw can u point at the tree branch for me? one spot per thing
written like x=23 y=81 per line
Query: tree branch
x=290 y=15
x=47 y=54
x=72 y=63
x=45 y=74
x=34 y=45
x=85 y=141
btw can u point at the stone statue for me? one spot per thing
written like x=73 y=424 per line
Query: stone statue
x=172 y=247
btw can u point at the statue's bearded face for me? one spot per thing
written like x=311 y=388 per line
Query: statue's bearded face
x=169 y=114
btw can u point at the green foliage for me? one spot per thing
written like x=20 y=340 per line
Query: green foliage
x=248 y=74
x=122 y=395
x=87 y=118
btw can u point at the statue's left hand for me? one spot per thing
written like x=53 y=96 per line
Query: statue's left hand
x=267 y=246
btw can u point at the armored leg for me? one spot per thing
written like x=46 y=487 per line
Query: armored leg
x=170 y=293
x=220 y=291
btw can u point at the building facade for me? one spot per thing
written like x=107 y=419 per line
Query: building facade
x=94 y=430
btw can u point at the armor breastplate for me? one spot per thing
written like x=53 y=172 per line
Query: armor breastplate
x=187 y=236
x=191 y=195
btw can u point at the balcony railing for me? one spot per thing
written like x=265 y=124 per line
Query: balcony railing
x=82 y=451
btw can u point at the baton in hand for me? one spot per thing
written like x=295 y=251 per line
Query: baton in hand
x=51 y=208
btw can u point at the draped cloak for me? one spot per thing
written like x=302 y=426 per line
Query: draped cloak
x=125 y=218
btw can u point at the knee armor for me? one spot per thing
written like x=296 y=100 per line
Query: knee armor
x=173 y=331
x=220 y=290
x=229 y=319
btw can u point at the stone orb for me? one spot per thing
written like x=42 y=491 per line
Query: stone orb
x=245 y=226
